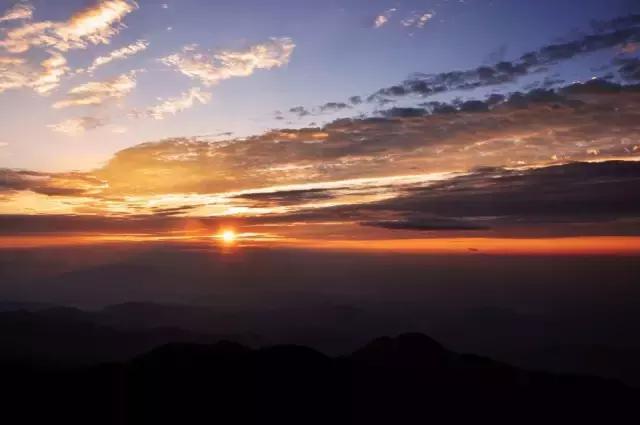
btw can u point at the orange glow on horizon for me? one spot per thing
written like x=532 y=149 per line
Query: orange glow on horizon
x=587 y=245
x=577 y=245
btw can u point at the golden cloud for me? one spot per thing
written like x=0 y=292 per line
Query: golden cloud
x=97 y=92
x=94 y=25
x=54 y=69
x=211 y=69
x=358 y=169
x=177 y=104
x=15 y=73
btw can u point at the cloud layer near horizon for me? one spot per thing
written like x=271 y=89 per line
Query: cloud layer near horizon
x=484 y=167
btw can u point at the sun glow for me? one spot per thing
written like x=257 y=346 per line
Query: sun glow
x=228 y=236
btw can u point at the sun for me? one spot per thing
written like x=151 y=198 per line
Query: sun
x=228 y=236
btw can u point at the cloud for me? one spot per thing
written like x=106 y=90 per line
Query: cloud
x=383 y=18
x=629 y=48
x=417 y=20
x=425 y=224
x=559 y=200
x=16 y=73
x=119 y=54
x=403 y=112
x=504 y=165
x=15 y=224
x=178 y=104
x=329 y=107
x=53 y=69
x=569 y=193
x=525 y=129
x=210 y=69
x=618 y=33
x=98 y=92
x=20 y=11
x=93 y=25
x=287 y=197
x=77 y=126
x=51 y=184
x=334 y=107
x=629 y=68
x=300 y=111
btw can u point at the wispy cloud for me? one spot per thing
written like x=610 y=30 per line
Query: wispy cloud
x=119 y=54
x=180 y=103
x=20 y=11
x=620 y=34
x=75 y=126
x=97 y=92
x=418 y=19
x=210 y=69
x=382 y=19
x=16 y=73
x=53 y=69
x=93 y=25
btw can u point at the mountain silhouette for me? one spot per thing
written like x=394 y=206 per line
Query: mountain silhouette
x=410 y=378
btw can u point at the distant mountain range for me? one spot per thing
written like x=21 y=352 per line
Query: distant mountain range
x=46 y=336
x=407 y=379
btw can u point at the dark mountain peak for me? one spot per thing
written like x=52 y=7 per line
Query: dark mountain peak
x=230 y=348
x=411 y=349
x=192 y=352
x=65 y=313
x=291 y=355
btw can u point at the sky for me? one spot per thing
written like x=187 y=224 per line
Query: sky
x=458 y=126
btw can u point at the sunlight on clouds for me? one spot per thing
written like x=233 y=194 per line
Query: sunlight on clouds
x=54 y=69
x=15 y=73
x=27 y=202
x=353 y=191
x=418 y=20
x=211 y=69
x=20 y=11
x=177 y=104
x=97 y=24
x=383 y=18
x=97 y=92
x=94 y=25
x=119 y=54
